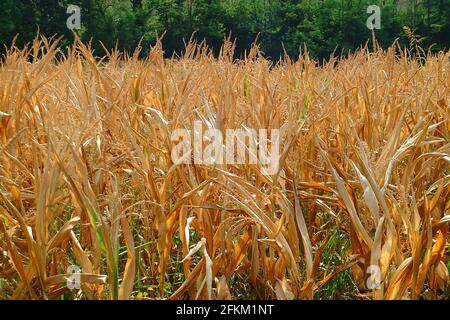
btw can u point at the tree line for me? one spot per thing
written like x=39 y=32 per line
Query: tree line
x=324 y=26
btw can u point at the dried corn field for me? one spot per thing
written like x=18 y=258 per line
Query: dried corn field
x=361 y=196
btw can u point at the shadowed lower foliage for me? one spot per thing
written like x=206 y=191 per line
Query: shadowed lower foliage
x=86 y=176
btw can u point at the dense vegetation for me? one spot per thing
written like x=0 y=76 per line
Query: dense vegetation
x=87 y=179
x=357 y=208
x=322 y=25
